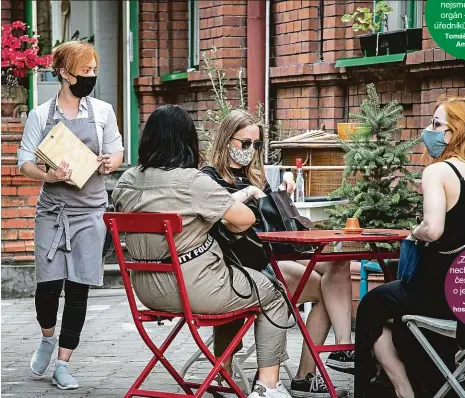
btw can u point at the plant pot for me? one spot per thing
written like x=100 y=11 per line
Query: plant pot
x=14 y=99
x=368 y=45
x=344 y=130
x=414 y=39
x=401 y=41
x=8 y=107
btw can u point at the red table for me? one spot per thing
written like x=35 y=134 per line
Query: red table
x=320 y=239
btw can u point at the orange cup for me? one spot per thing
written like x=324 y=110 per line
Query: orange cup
x=352 y=223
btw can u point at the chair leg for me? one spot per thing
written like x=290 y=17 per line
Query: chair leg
x=459 y=373
x=436 y=359
x=194 y=358
x=238 y=366
x=288 y=370
x=158 y=356
x=217 y=363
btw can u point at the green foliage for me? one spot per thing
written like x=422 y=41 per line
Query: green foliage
x=365 y=20
x=383 y=195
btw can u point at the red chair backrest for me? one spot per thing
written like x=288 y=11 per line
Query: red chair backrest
x=147 y=223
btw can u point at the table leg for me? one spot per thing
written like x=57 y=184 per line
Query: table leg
x=386 y=271
x=300 y=322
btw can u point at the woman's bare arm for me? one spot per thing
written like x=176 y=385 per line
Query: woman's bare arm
x=239 y=217
x=434 y=205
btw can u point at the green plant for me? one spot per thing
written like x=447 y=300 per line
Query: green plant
x=365 y=20
x=75 y=36
x=384 y=194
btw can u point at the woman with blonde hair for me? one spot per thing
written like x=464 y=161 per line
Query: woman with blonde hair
x=69 y=231
x=237 y=164
x=443 y=229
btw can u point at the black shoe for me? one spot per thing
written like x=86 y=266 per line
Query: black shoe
x=313 y=386
x=342 y=361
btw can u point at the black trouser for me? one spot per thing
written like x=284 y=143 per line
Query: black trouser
x=392 y=301
x=74 y=313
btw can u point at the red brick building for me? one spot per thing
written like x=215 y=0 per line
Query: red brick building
x=159 y=49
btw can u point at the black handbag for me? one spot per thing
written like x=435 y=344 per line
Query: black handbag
x=278 y=213
x=244 y=249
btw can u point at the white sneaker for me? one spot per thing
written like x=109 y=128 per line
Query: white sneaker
x=261 y=391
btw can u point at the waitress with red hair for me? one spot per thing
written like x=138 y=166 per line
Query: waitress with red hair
x=69 y=231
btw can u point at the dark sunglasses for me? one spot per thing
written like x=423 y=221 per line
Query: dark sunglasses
x=257 y=145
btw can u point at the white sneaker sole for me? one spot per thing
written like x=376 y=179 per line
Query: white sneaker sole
x=340 y=365
x=306 y=394
x=68 y=387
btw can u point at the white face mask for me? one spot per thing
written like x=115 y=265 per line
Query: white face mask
x=241 y=156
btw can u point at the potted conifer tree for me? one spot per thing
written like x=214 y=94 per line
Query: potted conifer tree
x=384 y=194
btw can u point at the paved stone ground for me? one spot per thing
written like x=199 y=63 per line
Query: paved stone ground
x=111 y=354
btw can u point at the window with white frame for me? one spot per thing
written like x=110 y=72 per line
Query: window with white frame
x=194 y=38
x=405 y=14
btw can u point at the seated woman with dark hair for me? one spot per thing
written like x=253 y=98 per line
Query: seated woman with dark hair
x=168 y=180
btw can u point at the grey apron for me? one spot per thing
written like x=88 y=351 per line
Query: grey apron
x=69 y=231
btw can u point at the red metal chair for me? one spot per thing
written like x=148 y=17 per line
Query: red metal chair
x=168 y=224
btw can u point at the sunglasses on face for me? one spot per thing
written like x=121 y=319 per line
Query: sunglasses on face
x=257 y=145
x=436 y=123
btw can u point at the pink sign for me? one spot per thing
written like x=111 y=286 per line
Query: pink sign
x=455 y=287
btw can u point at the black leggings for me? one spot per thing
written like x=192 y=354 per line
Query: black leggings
x=74 y=313
x=392 y=301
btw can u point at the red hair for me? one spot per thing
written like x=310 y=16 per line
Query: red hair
x=72 y=55
x=455 y=110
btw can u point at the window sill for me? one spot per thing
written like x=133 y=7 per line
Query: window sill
x=361 y=61
x=168 y=77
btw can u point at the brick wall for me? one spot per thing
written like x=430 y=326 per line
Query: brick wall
x=19 y=198
x=295 y=35
x=12 y=10
x=163 y=39
x=304 y=92
x=164 y=48
x=223 y=25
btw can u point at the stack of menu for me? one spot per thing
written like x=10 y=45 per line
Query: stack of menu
x=60 y=145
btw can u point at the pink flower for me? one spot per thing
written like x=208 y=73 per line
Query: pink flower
x=18 y=25
x=19 y=52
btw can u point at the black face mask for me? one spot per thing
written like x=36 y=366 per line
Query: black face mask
x=83 y=86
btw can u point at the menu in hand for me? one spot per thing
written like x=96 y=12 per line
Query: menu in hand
x=61 y=144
